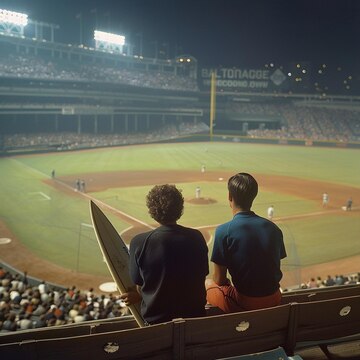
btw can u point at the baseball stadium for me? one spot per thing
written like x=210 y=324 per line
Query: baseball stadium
x=81 y=124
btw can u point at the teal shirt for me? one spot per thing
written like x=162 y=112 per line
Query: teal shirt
x=251 y=247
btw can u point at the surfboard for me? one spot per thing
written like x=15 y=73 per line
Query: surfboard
x=116 y=255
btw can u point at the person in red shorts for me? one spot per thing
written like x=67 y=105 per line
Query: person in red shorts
x=250 y=248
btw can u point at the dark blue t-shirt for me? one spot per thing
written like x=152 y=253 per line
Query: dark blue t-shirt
x=170 y=264
x=251 y=247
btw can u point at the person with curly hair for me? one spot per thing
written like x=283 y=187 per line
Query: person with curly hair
x=168 y=264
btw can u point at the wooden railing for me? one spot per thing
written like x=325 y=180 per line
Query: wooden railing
x=293 y=326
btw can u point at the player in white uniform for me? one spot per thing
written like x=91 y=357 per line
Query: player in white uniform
x=325 y=199
x=197 y=192
x=270 y=212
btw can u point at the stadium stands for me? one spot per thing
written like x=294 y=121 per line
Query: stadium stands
x=74 y=141
x=37 y=67
x=294 y=327
x=304 y=122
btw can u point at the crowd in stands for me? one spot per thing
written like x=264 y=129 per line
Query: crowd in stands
x=297 y=122
x=24 y=306
x=73 y=141
x=337 y=280
x=304 y=122
x=35 y=67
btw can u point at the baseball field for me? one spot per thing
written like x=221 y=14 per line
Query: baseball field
x=48 y=220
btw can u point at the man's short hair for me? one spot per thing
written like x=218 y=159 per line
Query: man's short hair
x=165 y=203
x=243 y=189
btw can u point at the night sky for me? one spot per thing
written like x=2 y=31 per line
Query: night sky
x=216 y=32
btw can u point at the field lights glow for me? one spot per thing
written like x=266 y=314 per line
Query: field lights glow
x=12 y=17
x=109 y=37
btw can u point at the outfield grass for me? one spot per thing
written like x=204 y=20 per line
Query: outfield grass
x=55 y=225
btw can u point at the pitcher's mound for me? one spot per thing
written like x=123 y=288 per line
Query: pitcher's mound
x=201 y=201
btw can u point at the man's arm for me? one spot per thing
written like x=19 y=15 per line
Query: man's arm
x=219 y=276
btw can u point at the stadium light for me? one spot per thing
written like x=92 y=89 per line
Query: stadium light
x=109 y=38
x=15 y=18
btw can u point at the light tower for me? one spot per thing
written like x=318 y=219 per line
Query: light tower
x=12 y=23
x=109 y=42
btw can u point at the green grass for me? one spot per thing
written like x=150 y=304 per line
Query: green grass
x=57 y=230
x=334 y=165
x=327 y=238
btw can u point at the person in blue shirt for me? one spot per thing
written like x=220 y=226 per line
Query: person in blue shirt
x=250 y=249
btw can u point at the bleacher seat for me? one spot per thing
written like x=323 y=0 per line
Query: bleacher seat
x=236 y=334
x=317 y=294
x=275 y=354
x=323 y=323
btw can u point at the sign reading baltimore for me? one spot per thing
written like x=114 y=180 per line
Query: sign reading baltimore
x=235 y=79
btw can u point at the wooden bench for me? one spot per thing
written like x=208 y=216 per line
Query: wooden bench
x=153 y=342
x=331 y=292
x=236 y=334
x=275 y=354
x=324 y=323
x=293 y=326
x=84 y=328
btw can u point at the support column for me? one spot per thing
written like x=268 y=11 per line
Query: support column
x=37 y=122
x=136 y=122
x=96 y=124
x=112 y=123
x=79 y=124
x=126 y=123
x=56 y=122
x=147 y=121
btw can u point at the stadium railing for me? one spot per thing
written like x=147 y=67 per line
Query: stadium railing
x=236 y=334
x=294 y=326
x=331 y=292
x=275 y=354
x=63 y=331
x=324 y=323
x=153 y=342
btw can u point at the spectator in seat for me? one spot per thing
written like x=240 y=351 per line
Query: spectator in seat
x=250 y=248
x=329 y=281
x=312 y=284
x=25 y=322
x=10 y=323
x=169 y=264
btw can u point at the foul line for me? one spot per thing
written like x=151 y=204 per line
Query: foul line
x=103 y=204
x=291 y=217
x=31 y=168
x=318 y=213
x=45 y=196
x=89 y=197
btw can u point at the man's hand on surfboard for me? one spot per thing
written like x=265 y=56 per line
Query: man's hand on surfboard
x=131 y=297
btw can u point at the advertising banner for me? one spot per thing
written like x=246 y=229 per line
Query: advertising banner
x=237 y=79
